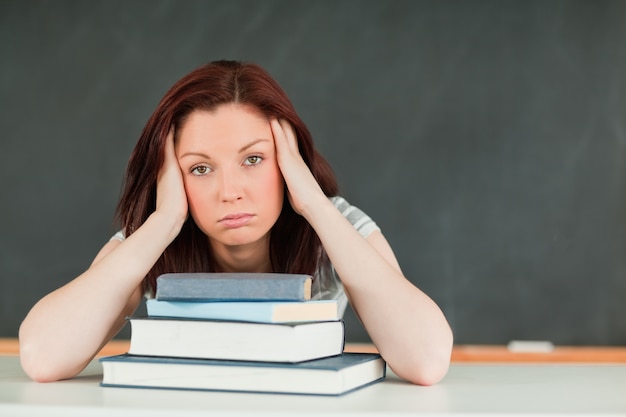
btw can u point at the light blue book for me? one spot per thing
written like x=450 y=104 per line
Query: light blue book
x=253 y=311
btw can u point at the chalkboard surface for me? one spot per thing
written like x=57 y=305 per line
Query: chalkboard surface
x=486 y=138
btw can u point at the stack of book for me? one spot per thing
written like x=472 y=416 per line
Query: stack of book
x=240 y=332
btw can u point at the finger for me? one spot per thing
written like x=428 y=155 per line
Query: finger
x=290 y=134
x=284 y=136
x=277 y=130
x=280 y=141
x=169 y=154
x=169 y=145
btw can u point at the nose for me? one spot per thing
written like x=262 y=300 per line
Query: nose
x=230 y=185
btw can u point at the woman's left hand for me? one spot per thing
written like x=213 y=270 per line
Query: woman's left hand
x=302 y=187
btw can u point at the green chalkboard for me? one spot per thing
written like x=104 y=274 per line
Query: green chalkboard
x=486 y=138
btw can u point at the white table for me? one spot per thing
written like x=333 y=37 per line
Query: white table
x=502 y=389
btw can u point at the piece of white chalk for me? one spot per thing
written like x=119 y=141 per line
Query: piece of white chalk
x=530 y=346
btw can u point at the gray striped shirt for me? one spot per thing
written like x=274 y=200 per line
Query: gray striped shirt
x=326 y=283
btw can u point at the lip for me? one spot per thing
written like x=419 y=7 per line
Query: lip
x=235 y=220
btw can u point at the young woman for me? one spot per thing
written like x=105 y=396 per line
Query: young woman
x=225 y=177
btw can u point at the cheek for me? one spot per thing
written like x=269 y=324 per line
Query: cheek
x=196 y=196
x=272 y=185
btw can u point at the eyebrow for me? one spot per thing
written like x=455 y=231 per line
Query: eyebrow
x=251 y=144
x=243 y=149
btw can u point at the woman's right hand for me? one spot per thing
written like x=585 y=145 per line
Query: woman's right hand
x=171 y=198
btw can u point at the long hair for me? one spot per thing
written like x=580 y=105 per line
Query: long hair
x=294 y=245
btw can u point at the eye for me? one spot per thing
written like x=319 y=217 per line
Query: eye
x=253 y=160
x=199 y=170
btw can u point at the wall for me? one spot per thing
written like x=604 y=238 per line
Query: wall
x=486 y=138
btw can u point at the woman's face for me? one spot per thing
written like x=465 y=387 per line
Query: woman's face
x=233 y=183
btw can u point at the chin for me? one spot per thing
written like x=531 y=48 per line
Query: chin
x=245 y=238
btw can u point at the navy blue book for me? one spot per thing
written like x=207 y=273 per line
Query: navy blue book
x=336 y=375
x=229 y=286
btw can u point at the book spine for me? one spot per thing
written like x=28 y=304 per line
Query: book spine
x=252 y=311
x=213 y=288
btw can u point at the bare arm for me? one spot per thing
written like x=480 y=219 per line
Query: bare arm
x=407 y=327
x=67 y=327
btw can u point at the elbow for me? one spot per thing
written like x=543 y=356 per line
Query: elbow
x=424 y=372
x=38 y=373
x=35 y=365
x=40 y=369
x=36 y=361
x=428 y=367
x=32 y=366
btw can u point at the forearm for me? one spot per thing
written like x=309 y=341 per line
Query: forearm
x=406 y=326
x=66 y=328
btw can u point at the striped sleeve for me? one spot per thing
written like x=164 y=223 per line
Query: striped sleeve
x=361 y=221
x=119 y=236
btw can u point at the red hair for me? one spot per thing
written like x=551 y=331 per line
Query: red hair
x=294 y=246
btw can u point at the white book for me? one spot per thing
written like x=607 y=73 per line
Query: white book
x=236 y=340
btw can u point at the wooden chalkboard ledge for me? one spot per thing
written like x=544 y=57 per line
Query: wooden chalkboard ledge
x=560 y=354
x=496 y=353
x=460 y=354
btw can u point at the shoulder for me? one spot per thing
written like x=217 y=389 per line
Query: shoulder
x=357 y=217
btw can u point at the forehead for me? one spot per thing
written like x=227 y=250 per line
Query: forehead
x=226 y=123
